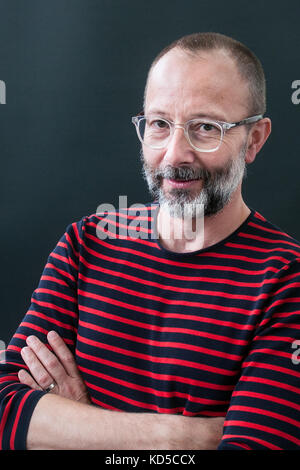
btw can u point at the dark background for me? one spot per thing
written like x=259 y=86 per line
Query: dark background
x=75 y=73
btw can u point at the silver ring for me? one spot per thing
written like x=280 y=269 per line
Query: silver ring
x=51 y=386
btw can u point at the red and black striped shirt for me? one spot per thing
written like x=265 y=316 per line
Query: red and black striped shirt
x=208 y=333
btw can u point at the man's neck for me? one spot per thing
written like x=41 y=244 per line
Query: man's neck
x=186 y=235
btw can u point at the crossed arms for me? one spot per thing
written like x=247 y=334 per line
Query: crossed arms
x=66 y=419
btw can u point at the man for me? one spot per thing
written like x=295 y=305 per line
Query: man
x=177 y=332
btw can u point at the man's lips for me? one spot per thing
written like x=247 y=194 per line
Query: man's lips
x=177 y=183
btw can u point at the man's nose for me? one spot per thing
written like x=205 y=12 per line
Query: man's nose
x=178 y=150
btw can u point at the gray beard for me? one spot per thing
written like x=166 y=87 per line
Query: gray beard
x=218 y=187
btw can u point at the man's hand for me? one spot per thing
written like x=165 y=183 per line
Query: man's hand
x=57 y=367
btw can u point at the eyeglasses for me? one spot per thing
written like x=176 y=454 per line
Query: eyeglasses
x=203 y=135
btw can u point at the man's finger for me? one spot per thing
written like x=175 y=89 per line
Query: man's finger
x=26 y=379
x=63 y=353
x=47 y=359
x=37 y=370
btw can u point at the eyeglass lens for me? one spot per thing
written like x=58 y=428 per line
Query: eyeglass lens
x=202 y=134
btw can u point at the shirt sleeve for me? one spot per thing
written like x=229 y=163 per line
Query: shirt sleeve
x=53 y=307
x=264 y=412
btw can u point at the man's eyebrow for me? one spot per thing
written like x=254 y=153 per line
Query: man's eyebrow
x=209 y=115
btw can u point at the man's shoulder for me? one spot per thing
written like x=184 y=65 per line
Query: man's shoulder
x=272 y=238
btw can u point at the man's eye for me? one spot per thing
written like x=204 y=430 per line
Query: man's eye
x=158 y=124
x=206 y=127
x=202 y=127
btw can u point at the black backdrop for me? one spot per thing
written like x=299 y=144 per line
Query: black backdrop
x=74 y=72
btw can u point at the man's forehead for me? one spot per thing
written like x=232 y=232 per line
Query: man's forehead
x=207 y=76
x=201 y=63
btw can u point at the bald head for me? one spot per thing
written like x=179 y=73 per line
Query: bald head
x=243 y=61
x=208 y=83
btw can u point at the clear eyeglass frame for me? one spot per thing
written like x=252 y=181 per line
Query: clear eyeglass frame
x=223 y=126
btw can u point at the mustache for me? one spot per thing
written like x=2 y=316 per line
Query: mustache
x=183 y=173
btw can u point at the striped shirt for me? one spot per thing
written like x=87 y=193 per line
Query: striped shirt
x=209 y=333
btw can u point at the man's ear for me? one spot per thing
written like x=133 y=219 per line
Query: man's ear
x=258 y=135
